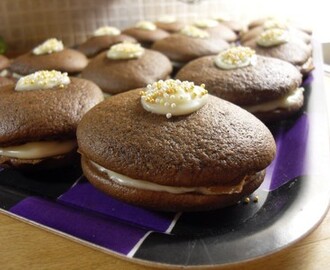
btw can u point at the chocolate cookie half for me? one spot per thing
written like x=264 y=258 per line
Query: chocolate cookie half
x=39 y=116
x=265 y=86
x=206 y=153
x=127 y=66
x=169 y=24
x=50 y=55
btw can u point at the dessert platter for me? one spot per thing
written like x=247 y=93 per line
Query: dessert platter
x=161 y=179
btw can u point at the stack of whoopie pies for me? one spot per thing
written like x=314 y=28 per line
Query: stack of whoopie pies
x=189 y=141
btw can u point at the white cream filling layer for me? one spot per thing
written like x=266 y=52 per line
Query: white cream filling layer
x=37 y=150
x=42 y=80
x=282 y=103
x=173 y=97
x=146 y=185
x=235 y=57
x=49 y=46
x=107 y=31
x=125 y=50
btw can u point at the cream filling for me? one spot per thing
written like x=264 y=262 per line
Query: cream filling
x=281 y=103
x=125 y=50
x=107 y=31
x=49 y=46
x=42 y=80
x=37 y=150
x=173 y=97
x=146 y=185
x=4 y=73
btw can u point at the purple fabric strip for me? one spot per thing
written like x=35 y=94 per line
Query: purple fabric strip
x=289 y=162
x=85 y=196
x=98 y=229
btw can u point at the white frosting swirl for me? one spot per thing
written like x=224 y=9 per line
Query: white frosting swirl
x=173 y=97
x=273 y=37
x=42 y=80
x=49 y=46
x=206 y=23
x=146 y=25
x=166 y=19
x=194 y=32
x=125 y=50
x=235 y=57
x=107 y=31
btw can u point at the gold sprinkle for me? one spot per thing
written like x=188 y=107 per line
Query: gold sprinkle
x=256 y=199
x=246 y=200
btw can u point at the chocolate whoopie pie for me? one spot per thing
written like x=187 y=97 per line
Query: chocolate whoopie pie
x=146 y=33
x=103 y=38
x=206 y=153
x=39 y=116
x=127 y=66
x=216 y=29
x=267 y=87
x=279 y=43
x=189 y=44
x=50 y=55
x=169 y=24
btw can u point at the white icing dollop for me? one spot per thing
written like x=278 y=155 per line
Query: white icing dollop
x=195 y=32
x=206 y=23
x=49 y=46
x=146 y=25
x=235 y=57
x=273 y=37
x=125 y=50
x=42 y=80
x=166 y=19
x=107 y=31
x=173 y=97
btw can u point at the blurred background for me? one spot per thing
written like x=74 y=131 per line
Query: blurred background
x=26 y=23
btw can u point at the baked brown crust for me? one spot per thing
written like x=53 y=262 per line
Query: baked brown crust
x=51 y=114
x=6 y=81
x=170 y=27
x=116 y=76
x=68 y=60
x=4 y=62
x=215 y=145
x=146 y=36
x=97 y=44
x=295 y=51
x=269 y=79
x=181 y=48
x=167 y=201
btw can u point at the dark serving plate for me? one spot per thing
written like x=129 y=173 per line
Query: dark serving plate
x=292 y=201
